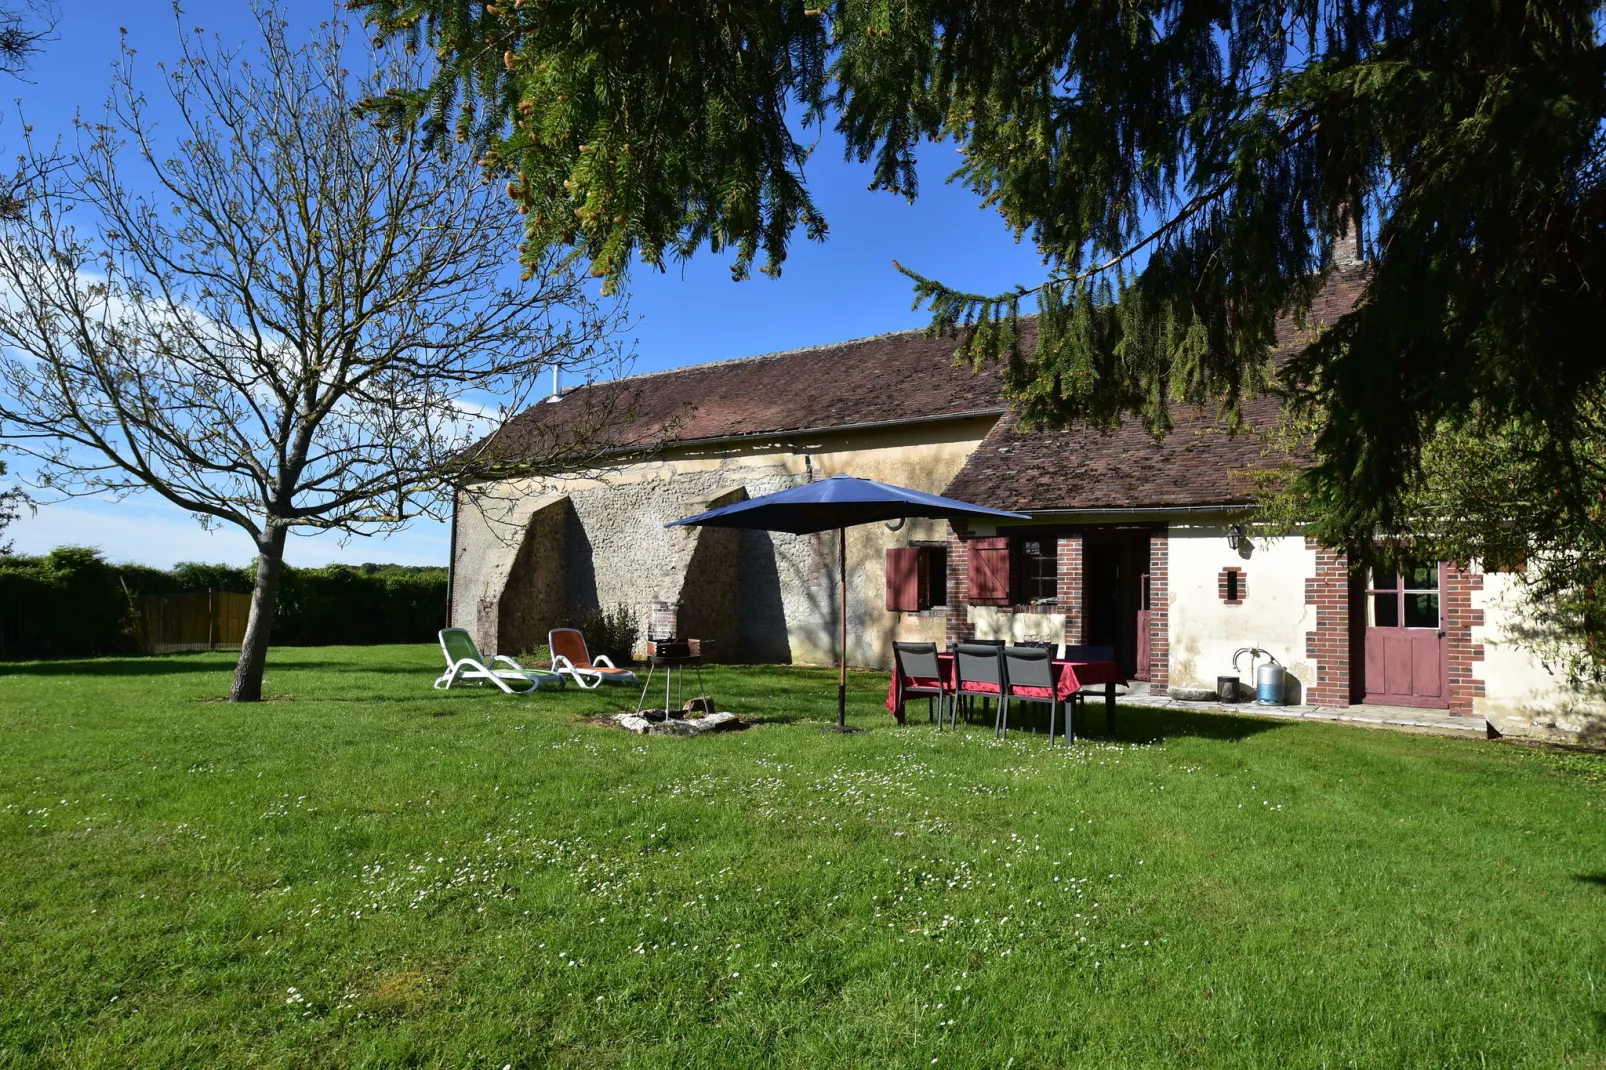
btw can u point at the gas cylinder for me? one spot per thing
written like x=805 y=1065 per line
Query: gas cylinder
x=1269 y=681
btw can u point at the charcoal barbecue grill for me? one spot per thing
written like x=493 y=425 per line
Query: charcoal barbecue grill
x=674 y=656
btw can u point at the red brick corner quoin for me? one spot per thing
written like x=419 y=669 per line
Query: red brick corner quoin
x=958 y=628
x=1329 y=645
x=1159 y=611
x=1459 y=620
x=1069 y=590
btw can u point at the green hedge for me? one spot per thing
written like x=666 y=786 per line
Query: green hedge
x=73 y=602
x=66 y=602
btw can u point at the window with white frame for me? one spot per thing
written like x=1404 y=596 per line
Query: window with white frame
x=1039 y=571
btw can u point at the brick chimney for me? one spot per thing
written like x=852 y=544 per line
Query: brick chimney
x=1348 y=252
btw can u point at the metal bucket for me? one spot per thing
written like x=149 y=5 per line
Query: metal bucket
x=1269 y=683
x=1227 y=689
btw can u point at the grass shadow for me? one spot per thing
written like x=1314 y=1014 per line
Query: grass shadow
x=159 y=665
x=760 y=694
x=1133 y=724
x=426 y=672
x=1598 y=879
x=198 y=661
x=1159 y=723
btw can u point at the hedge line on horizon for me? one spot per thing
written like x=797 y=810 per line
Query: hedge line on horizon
x=73 y=602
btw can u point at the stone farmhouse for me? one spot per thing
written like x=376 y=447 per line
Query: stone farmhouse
x=1129 y=544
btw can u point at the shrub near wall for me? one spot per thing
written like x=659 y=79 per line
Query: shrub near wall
x=611 y=632
x=71 y=602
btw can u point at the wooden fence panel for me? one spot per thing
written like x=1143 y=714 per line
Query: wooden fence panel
x=197 y=620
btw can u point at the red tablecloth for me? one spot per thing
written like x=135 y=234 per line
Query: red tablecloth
x=1069 y=678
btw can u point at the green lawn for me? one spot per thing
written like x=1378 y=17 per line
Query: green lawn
x=370 y=873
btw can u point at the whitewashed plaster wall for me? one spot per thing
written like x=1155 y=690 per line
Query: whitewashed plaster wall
x=991 y=622
x=1520 y=695
x=925 y=458
x=1205 y=631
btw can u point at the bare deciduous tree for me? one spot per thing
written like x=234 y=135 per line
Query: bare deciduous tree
x=9 y=500
x=23 y=30
x=298 y=321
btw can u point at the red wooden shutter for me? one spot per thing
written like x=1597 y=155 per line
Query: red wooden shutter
x=989 y=572
x=903 y=580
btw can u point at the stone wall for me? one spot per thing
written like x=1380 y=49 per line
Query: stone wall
x=1016 y=625
x=620 y=553
x=711 y=594
x=535 y=592
x=490 y=528
x=761 y=596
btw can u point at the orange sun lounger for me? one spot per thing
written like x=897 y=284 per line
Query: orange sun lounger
x=571 y=658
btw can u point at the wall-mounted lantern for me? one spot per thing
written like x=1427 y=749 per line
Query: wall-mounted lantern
x=1235 y=536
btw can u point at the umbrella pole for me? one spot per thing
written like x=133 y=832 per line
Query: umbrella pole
x=842 y=603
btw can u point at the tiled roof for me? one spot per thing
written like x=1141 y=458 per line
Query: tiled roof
x=908 y=376
x=1082 y=468
x=1197 y=464
x=888 y=378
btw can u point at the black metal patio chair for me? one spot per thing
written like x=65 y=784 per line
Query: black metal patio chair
x=918 y=661
x=1029 y=677
x=977 y=665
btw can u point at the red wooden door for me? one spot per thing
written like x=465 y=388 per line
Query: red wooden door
x=1141 y=670
x=1406 y=653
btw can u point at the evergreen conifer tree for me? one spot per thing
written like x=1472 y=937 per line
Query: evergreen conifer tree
x=1183 y=166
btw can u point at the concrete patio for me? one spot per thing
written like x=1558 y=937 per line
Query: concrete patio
x=1398 y=718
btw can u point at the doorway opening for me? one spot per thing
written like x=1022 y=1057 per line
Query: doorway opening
x=1399 y=614
x=1115 y=595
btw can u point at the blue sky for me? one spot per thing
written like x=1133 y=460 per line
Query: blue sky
x=844 y=288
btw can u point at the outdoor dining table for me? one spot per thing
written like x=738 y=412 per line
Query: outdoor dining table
x=1069 y=678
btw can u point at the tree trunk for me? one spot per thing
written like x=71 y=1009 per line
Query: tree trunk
x=264 y=598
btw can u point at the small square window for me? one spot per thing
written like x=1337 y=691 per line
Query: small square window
x=1039 y=580
x=1233 y=586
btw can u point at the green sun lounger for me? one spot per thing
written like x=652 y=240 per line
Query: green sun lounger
x=464 y=662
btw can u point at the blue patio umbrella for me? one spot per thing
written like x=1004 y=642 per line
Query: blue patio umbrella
x=840 y=502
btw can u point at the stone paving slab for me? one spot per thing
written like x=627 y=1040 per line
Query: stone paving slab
x=1401 y=718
